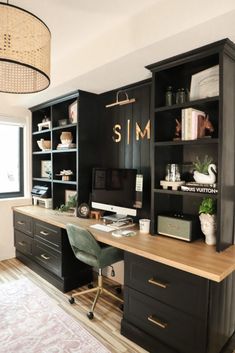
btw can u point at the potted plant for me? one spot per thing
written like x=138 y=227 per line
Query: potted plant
x=207 y=216
x=70 y=205
x=204 y=170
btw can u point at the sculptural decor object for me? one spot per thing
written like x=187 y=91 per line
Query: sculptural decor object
x=66 y=137
x=205 y=127
x=207 y=218
x=204 y=171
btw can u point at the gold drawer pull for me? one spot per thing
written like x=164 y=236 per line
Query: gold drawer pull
x=157 y=283
x=45 y=257
x=44 y=233
x=22 y=243
x=20 y=223
x=157 y=322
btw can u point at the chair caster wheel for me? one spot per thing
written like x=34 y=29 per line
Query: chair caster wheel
x=121 y=307
x=118 y=290
x=90 y=285
x=90 y=315
x=71 y=300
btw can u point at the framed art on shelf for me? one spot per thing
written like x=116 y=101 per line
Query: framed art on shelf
x=69 y=193
x=205 y=83
x=73 y=112
x=46 y=169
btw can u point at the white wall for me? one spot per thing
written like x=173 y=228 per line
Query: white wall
x=16 y=115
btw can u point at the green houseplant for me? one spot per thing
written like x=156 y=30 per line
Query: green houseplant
x=204 y=170
x=69 y=205
x=207 y=216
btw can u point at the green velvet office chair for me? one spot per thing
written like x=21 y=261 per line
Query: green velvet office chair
x=88 y=250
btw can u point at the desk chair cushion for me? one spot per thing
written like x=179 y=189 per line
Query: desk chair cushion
x=88 y=250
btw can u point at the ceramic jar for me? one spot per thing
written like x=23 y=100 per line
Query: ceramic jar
x=66 y=137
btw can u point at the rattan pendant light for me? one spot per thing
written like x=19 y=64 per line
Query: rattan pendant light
x=24 y=51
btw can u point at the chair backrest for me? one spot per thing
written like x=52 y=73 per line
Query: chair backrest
x=82 y=242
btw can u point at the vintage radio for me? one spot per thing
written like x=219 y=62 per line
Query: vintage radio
x=180 y=226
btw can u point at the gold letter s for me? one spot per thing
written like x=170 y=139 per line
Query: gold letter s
x=119 y=136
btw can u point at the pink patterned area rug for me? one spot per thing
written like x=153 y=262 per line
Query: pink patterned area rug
x=30 y=322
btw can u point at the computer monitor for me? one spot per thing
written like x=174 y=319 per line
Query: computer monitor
x=113 y=190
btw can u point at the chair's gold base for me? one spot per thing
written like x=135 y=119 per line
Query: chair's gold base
x=99 y=290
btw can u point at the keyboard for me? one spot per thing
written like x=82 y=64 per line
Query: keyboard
x=102 y=227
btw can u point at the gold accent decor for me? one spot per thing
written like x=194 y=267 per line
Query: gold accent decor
x=127 y=100
x=157 y=283
x=141 y=134
x=24 y=51
x=157 y=322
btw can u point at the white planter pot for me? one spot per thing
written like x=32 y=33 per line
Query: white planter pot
x=208 y=227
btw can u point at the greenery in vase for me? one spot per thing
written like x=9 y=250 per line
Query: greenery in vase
x=201 y=166
x=208 y=206
x=71 y=203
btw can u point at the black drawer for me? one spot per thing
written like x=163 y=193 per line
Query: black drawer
x=23 y=242
x=47 y=257
x=179 y=289
x=23 y=223
x=180 y=331
x=48 y=233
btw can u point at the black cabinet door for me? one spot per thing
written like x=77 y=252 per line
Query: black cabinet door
x=174 y=287
x=23 y=223
x=23 y=243
x=182 y=332
x=47 y=257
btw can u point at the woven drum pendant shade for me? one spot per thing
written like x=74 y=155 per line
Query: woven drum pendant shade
x=24 y=51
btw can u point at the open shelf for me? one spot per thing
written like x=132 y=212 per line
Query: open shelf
x=187 y=142
x=194 y=103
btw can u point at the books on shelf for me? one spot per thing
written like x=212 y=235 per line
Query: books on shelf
x=190 y=123
x=200 y=188
x=65 y=146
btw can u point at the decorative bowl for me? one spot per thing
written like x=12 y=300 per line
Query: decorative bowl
x=44 y=144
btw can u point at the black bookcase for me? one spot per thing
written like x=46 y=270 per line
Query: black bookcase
x=177 y=72
x=79 y=159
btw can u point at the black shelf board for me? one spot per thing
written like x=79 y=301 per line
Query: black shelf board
x=188 y=142
x=42 y=152
x=65 y=150
x=43 y=179
x=187 y=104
x=184 y=193
x=64 y=127
x=41 y=132
x=68 y=182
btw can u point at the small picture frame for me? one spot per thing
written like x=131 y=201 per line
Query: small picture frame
x=69 y=193
x=73 y=112
x=205 y=83
x=46 y=169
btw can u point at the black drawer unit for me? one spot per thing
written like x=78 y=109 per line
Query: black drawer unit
x=23 y=243
x=23 y=223
x=46 y=250
x=169 y=310
x=177 y=288
x=168 y=325
x=47 y=257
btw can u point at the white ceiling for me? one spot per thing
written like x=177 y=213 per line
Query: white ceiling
x=102 y=45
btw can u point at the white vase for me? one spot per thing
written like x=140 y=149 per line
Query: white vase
x=208 y=227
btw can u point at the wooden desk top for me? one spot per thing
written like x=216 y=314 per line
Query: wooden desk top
x=196 y=258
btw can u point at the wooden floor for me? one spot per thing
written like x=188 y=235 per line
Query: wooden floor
x=106 y=324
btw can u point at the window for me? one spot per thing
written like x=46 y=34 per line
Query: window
x=11 y=161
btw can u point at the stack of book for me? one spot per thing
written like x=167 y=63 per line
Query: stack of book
x=201 y=188
x=65 y=146
x=189 y=123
